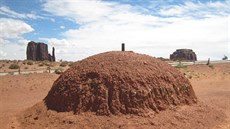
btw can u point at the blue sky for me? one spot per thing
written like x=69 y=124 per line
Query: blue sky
x=80 y=28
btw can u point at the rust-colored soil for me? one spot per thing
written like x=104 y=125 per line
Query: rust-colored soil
x=18 y=94
x=120 y=83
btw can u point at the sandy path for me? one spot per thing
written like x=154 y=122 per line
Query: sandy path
x=19 y=92
x=215 y=93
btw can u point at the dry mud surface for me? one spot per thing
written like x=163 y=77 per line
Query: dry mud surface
x=21 y=104
x=120 y=83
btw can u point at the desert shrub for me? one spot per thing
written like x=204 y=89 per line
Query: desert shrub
x=71 y=64
x=10 y=73
x=180 y=66
x=30 y=63
x=46 y=63
x=15 y=61
x=24 y=62
x=45 y=71
x=41 y=64
x=64 y=64
x=2 y=66
x=211 y=66
x=26 y=68
x=225 y=57
x=14 y=66
x=58 y=71
x=163 y=59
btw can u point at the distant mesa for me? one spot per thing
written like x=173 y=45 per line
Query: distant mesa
x=39 y=52
x=184 y=55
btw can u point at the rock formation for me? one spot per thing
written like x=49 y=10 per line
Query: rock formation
x=119 y=82
x=184 y=55
x=38 y=52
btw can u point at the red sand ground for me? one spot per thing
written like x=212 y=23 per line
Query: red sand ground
x=120 y=83
x=212 y=87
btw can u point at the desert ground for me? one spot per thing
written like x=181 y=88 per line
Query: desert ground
x=21 y=104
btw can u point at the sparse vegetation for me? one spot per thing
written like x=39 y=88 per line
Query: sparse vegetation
x=41 y=64
x=10 y=73
x=24 y=62
x=163 y=59
x=26 y=68
x=211 y=66
x=64 y=64
x=71 y=64
x=180 y=66
x=30 y=63
x=14 y=66
x=58 y=71
x=46 y=63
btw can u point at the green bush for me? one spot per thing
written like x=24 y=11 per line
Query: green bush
x=44 y=62
x=30 y=63
x=14 y=66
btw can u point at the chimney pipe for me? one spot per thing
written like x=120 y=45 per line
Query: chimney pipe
x=123 y=47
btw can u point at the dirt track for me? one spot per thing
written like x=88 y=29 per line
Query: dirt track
x=212 y=87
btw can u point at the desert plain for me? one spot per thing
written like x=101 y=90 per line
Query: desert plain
x=22 y=106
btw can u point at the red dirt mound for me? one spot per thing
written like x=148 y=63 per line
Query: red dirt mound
x=119 y=82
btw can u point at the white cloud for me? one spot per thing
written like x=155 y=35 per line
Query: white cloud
x=56 y=42
x=11 y=28
x=4 y=10
x=11 y=38
x=2 y=53
x=22 y=41
x=105 y=25
x=86 y=11
x=63 y=48
x=13 y=51
x=196 y=9
x=3 y=42
x=62 y=27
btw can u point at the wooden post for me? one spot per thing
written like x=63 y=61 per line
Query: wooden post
x=19 y=70
x=49 y=68
x=208 y=61
x=123 y=47
x=179 y=62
